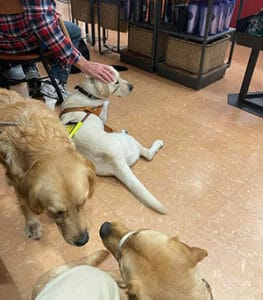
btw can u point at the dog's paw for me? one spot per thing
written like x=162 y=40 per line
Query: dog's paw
x=34 y=230
x=158 y=143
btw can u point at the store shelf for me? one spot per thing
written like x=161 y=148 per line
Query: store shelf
x=137 y=60
x=197 y=38
x=249 y=41
x=188 y=79
x=249 y=101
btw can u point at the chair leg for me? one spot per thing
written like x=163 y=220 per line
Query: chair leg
x=3 y=80
x=53 y=81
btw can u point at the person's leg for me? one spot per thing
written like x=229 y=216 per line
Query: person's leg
x=31 y=73
x=75 y=36
x=59 y=73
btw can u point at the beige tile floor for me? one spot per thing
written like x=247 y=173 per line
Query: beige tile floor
x=209 y=175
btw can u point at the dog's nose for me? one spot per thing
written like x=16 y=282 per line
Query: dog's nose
x=130 y=87
x=82 y=239
x=105 y=229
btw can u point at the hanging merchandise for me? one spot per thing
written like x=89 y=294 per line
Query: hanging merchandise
x=230 y=10
x=152 y=4
x=215 y=17
x=193 y=15
x=129 y=4
x=223 y=14
x=168 y=11
x=202 y=19
x=144 y=11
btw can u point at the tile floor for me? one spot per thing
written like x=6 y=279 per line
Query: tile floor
x=209 y=176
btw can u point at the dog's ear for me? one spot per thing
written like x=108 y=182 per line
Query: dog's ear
x=33 y=199
x=30 y=187
x=91 y=177
x=102 y=89
x=197 y=254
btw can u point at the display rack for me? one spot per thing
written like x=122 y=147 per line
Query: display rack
x=146 y=62
x=249 y=101
x=201 y=79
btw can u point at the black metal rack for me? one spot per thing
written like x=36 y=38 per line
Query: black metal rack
x=251 y=102
x=139 y=60
x=153 y=63
x=200 y=80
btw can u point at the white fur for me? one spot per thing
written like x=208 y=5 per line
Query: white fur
x=112 y=153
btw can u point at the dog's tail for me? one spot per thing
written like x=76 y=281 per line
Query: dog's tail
x=126 y=176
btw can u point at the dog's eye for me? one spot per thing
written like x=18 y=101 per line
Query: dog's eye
x=59 y=214
x=117 y=82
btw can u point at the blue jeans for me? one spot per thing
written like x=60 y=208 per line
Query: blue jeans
x=57 y=70
x=75 y=36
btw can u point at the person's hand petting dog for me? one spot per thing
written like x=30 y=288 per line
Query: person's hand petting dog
x=95 y=70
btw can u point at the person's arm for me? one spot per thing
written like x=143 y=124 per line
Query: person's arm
x=95 y=70
x=44 y=22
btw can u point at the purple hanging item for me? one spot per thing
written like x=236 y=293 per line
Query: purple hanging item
x=193 y=14
x=230 y=10
x=203 y=15
x=215 y=17
x=223 y=13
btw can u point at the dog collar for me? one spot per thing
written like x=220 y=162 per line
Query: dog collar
x=84 y=92
x=122 y=241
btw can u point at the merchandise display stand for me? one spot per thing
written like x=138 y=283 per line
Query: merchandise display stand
x=201 y=79
x=251 y=102
x=155 y=60
x=145 y=62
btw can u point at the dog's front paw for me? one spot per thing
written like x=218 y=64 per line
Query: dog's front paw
x=34 y=230
x=158 y=143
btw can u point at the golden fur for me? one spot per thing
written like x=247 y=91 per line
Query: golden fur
x=154 y=266
x=47 y=173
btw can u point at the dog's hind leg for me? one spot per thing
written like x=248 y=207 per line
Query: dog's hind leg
x=33 y=226
x=149 y=153
x=122 y=171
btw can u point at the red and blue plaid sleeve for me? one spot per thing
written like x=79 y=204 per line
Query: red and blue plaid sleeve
x=44 y=23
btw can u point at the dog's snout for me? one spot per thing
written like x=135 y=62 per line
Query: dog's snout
x=130 y=87
x=82 y=239
x=105 y=229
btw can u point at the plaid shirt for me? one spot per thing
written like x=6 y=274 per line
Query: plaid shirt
x=17 y=32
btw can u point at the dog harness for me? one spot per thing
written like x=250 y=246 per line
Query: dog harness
x=72 y=128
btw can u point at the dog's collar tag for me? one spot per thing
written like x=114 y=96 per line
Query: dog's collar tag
x=122 y=241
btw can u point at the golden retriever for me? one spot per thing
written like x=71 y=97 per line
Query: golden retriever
x=155 y=266
x=46 y=171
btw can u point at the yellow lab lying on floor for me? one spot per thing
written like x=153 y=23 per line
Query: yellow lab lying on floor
x=44 y=168
x=154 y=266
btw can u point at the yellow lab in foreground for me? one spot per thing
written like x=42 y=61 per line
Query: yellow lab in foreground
x=155 y=266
